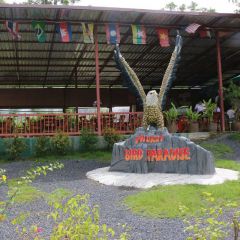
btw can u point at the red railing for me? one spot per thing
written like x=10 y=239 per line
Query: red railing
x=71 y=124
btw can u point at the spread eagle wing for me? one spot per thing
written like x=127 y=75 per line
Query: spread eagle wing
x=130 y=78
x=170 y=73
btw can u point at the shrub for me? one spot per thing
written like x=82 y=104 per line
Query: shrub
x=60 y=143
x=77 y=219
x=88 y=139
x=42 y=146
x=110 y=136
x=15 y=147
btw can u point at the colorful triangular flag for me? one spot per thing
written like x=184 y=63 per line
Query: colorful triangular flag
x=163 y=37
x=139 y=34
x=65 y=31
x=112 y=33
x=87 y=29
x=205 y=33
x=192 y=28
x=12 y=27
x=39 y=28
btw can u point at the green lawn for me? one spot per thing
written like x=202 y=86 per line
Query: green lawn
x=98 y=155
x=164 y=201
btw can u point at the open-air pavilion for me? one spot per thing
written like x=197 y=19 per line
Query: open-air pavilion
x=54 y=74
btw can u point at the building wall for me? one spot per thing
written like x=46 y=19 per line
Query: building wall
x=58 y=97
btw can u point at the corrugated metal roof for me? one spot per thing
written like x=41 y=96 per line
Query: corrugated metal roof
x=53 y=63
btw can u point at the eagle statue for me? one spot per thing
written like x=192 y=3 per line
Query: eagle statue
x=153 y=103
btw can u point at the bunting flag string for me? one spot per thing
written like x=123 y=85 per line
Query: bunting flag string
x=12 y=27
x=87 y=29
x=39 y=28
x=65 y=31
x=139 y=34
x=112 y=33
x=163 y=37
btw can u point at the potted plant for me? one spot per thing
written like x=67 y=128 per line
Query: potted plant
x=232 y=95
x=171 y=117
x=193 y=118
x=208 y=112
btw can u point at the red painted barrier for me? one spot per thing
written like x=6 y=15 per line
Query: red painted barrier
x=70 y=123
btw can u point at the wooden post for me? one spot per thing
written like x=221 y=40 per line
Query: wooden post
x=220 y=81
x=97 y=84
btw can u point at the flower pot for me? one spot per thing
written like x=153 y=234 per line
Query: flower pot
x=212 y=127
x=193 y=127
x=236 y=126
x=172 y=127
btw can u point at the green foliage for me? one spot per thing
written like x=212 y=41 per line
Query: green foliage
x=88 y=139
x=171 y=6
x=60 y=143
x=219 y=150
x=110 y=136
x=171 y=114
x=76 y=219
x=15 y=147
x=19 y=190
x=193 y=6
x=210 y=108
x=232 y=94
x=42 y=146
x=212 y=226
x=191 y=115
x=235 y=137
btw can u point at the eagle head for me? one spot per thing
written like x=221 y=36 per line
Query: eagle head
x=152 y=98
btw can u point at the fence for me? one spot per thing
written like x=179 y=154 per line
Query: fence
x=71 y=124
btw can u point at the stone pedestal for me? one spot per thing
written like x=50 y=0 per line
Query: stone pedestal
x=155 y=150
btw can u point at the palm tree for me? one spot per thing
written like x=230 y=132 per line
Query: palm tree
x=182 y=7
x=171 y=6
x=193 y=6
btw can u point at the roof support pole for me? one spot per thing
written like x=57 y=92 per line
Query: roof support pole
x=220 y=81
x=97 y=83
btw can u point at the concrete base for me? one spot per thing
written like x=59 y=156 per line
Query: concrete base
x=102 y=175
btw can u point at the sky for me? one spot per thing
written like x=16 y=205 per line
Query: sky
x=223 y=6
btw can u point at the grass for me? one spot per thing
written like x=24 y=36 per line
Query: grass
x=165 y=201
x=25 y=193
x=97 y=155
x=219 y=150
x=228 y=164
x=235 y=137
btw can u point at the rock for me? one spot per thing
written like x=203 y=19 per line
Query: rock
x=155 y=150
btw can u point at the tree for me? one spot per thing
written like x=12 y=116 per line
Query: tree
x=182 y=7
x=171 y=6
x=193 y=6
x=2 y=1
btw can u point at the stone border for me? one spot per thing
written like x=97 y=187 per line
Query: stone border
x=102 y=175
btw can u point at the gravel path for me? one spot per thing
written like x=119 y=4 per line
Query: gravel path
x=109 y=198
x=112 y=211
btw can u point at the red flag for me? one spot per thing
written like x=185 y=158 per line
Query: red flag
x=192 y=28
x=163 y=37
x=65 y=31
x=204 y=33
